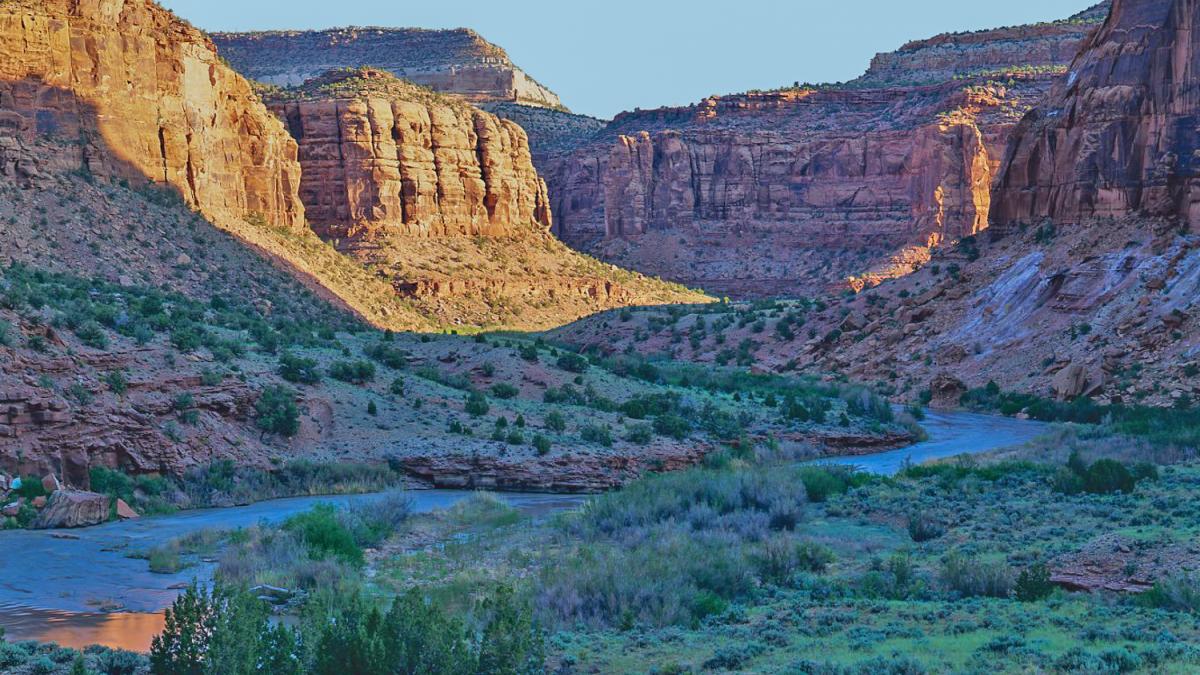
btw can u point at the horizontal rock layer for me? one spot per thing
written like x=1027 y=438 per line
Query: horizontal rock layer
x=453 y=61
x=137 y=94
x=832 y=170
x=944 y=57
x=412 y=165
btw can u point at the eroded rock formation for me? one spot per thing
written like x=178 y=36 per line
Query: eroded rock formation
x=1118 y=135
x=794 y=190
x=453 y=61
x=130 y=91
x=379 y=153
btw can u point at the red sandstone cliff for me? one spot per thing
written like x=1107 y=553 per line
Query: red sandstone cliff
x=788 y=192
x=873 y=171
x=381 y=154
x=1118 y=135
x=136 y=93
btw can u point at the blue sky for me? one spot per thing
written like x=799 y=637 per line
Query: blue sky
x=606 y=56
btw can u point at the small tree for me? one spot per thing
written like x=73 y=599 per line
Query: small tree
x=511 y=641
x=555 y=421
x=182 y=647
x=477 y=404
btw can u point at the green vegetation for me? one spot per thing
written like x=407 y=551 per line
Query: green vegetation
x=94 y=310
x=1159 y=426
x=355 y=372
x=277 y=411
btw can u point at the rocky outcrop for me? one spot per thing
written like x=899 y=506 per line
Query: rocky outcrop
x=1117 y=564
x=379 y=154
x=834 y=185
x=453 y=61
x=128 y=90
x=1118 y=135
x=562 y=474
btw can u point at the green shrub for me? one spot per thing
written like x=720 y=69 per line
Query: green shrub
x=641 y=434
x=397 y=387
x=1033 y=583
x=325 y=534
x=1106 y=476
x=277 y=411
x=31 y=488
x=298 y=369
x=781 y=557
x=354 y=372
x=1179 y=592
x=595 y=433
x=823 y=482
x=672 y=425
x=390 y=356
x=922 y=528
x=505 y=390
x=573 y=363
x=477 y=404
x=165 y=560
x=92 y=335
x=555 y=421
x=116 y=382
x=971 y=577
x=541 y=444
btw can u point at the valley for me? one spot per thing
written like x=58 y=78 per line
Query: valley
x=357 y=350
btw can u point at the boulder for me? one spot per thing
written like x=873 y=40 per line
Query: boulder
x=11 y=509
x=73 y=508
x=1070 y=382
x=1078 y=379
x=125 y=511
x=39 y=502
x=50 y=483
x=950 y=355
x=853 y=323
x=947 y=391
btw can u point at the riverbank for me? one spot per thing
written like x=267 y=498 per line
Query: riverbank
x=90 y=584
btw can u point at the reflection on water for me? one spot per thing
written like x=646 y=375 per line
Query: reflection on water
x=51 y=590
x=132 y=632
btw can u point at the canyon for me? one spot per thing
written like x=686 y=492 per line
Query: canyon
x=1085 y=282
x=795 y=191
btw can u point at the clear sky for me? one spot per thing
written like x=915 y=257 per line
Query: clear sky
x=605 y=56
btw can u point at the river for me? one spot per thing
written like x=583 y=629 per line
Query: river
x=80 y=587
